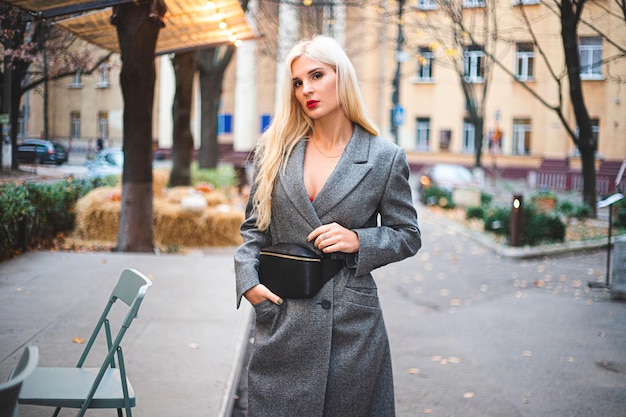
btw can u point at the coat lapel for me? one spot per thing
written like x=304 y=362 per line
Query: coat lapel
x=348 y=173
x=292 y=182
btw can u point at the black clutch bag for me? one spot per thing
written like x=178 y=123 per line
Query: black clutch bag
x=293 y=271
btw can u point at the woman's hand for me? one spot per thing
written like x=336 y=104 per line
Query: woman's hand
x=260 y=293
x=333 y=237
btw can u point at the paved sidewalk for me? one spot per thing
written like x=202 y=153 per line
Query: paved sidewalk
x=181 y=352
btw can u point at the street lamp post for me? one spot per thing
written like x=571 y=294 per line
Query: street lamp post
x=397 y=112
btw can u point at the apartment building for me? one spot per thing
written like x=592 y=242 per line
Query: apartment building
x=431 y=112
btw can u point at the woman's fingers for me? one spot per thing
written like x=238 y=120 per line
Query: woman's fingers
x=260 y=293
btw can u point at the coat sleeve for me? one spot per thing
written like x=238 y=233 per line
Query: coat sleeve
x=247 y=255
x=397 y=236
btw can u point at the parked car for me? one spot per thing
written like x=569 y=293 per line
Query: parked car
x=109 y=161
x=446 y=177
x=41 y=151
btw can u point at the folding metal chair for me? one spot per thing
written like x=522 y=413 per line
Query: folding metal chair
x=10 y=390
x=104 y=387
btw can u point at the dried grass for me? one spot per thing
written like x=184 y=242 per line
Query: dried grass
x=98 y=213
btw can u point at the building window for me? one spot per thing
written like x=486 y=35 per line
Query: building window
x=473 y=3
x=521 y=137
x=225 y=124
x=77 y=81
x=21 y=127
x=103 y=125
x=590 y=50
x=474 y=64
x=524 y=61
x=595 y=134
x=425 y=58
x=103 y=76
x=422 y=133
x=75 y=125
x=469 y=136
x=266 y=119
x=524 y=2
x=426 y=4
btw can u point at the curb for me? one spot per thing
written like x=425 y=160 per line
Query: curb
x=526 y=252
x=230 y=392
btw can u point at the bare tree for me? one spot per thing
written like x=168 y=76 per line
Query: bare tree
x=468 y=42
x=212 y=64
x=138 y=26
x=35 y=52
x=182 y=146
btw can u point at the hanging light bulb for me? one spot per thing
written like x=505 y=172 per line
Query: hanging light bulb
x=222 y=25
x=307 y=2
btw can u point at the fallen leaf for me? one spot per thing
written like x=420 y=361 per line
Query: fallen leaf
x=193 y=345
x=436 y=358
x=527 y=353
x=468 y=395
x=428 y=410
x=78 y=340
x=414 y=371
x=570 y=359
x=454 y=359
x=104 y=260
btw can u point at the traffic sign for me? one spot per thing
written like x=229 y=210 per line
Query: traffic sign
x=398 y=115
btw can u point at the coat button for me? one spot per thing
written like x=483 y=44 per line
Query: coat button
x=326 y=304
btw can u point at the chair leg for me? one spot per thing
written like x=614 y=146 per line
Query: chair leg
x=120 y=362
x=56 y=412
x=119 y=412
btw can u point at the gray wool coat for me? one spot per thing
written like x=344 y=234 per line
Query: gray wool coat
x=329 y=355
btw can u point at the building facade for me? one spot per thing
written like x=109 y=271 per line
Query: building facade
x=521 y=131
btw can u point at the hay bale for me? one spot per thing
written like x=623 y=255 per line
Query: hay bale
x=174 y=226
x=160 y=179
x=98 y=214
x=213 y=198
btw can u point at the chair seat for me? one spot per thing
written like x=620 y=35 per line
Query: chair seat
x=68 y=387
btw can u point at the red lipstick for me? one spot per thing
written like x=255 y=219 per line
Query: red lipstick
x=311 y=103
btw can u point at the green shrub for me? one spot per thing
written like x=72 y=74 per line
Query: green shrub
x=435 y=196
x=620 y=218
x=582 y=212
x=475 y=213
x=539 y=227
x=42 y=209
x=566 y=208
x=485 y=199
x=221 y=177
x=498 y=220
x=16 y=209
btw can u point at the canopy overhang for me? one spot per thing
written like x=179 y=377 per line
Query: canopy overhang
x=189 y=24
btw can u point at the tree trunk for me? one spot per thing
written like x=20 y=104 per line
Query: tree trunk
x=137 y=35
x=182 y=146
x=585 y=141
x=212 y=68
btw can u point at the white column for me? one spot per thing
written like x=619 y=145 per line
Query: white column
x=288 y=35
x=246 y=121
x=167 y=83
x=338 y=24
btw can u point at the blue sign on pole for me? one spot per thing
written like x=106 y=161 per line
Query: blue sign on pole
x=398 y=115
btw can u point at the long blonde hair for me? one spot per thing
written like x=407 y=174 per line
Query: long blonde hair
x=291 y=123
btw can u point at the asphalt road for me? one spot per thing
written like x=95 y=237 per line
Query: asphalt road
x=474 y=334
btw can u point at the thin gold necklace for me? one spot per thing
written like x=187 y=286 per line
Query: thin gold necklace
x=327 y=156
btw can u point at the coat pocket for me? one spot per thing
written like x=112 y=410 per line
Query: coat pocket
x=366 y=297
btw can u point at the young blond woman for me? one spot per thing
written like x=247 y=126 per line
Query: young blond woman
x=325 y=180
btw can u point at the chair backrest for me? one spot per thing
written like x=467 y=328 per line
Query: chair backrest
x=10 y=390
x=130 y=289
